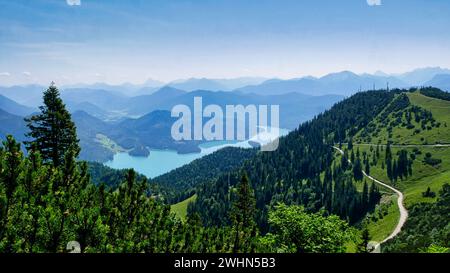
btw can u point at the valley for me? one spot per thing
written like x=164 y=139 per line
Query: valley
x=370 y=159
x=223 y=136
x=426 y=171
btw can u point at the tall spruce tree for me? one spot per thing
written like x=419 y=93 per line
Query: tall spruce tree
x=357 y=170
x=53 y=133
x=243 y=216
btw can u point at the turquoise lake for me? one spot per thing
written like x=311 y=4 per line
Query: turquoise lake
x=163 y=161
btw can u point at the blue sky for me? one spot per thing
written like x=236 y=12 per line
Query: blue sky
x=129 y=41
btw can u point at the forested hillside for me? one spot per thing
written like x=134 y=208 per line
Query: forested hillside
x=293 y=174
x=180 y=183
x=303 y=197
x=305 y=171
x=49 y=200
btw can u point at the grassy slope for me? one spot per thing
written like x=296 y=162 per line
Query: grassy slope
x=180 y=209
x=402 y=135
x=381 y=228
x=423 y=175
x=109 y=144
x=441 y=112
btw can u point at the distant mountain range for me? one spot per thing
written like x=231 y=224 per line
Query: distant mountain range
x=441 y=81
x=215 y=84
x=128 y=89
x=29 y=95
x=340 y=83
x=15 y=108
x=109 y=120
x=420 y=76
x=114 y=106
x=344 y=83
x=145 y=121
x=12 y=125
x=101 y=140
x=347 y=83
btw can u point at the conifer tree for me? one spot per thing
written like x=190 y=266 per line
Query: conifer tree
x=365 y=196
x=243 y=215
x=389 y=168
x=357 y=170
x=53 y=133
x=11 y=169
x=367 y=168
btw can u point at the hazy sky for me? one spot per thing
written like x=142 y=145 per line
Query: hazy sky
x=71 y=41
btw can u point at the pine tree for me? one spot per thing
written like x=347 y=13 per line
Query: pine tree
x=388 y=154
x=389 y=170
x=365 y=196
x=52 y=131
x=374 y=196
x=350 y=144
x=11 y=158
x=12 y=161
x=243 y=214
x=394 y=171
x=344 y=161
x=357 y=170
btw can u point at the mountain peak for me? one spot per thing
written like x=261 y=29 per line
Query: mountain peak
x=339 y=76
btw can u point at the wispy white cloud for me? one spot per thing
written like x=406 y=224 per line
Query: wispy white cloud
x=374 y=2
x=73 y=2
x=5 y=74
x=26 y=74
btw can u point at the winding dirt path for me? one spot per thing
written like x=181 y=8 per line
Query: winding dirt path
x=402 y=209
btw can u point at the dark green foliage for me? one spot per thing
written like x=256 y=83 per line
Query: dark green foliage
x=429 y=193
x=43 y=207
x=291 y=174
x=431 y=161
x=52 y=204
x=435 y=93
x=101 y=174
x=243 y=217
x=400 y=167
x=400 y=114
x=403 y=164
x=400 y=103
x=367 y=167
x=52 y=131
x=357 y=170
x=182 y=181
x=427 y=225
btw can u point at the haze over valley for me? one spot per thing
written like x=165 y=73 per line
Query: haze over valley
x=217 y=126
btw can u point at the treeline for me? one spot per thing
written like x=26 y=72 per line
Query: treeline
x=112 y=178
x=180 y=183
x=46 y=208
x=435 y=93
x=400 y=167
x=292 y=173
x=48 y=203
